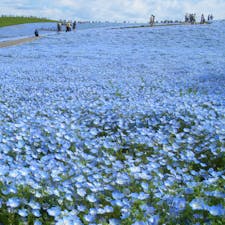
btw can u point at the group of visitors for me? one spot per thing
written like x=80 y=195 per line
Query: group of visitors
x=203 y=20
x=191 y=18
x=210 y=17
x=69 y=26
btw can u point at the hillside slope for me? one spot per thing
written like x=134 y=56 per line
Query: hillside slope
x=11 y=20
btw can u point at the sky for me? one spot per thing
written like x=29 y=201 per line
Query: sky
x=116 y=10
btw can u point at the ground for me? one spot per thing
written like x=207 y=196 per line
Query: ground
x=107 y=126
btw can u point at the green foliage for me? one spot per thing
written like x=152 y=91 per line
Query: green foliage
x=14 y=20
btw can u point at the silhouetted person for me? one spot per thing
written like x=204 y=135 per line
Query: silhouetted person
x=152 y=20
x=36 y=33
x=202 y=19
x=68 y=27
x=74 y=25
x=59 y=27
x=187 y=18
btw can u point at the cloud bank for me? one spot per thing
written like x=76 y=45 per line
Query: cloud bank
x=116 y=10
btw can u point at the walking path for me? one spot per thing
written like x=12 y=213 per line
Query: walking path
x=17 y=42
x=160 y=25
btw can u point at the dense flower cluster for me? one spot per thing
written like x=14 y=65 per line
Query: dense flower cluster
x=114 y=127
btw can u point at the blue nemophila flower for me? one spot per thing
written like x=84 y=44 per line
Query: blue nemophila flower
x=4 y=148
x=93 y=211
x=114 y=221
x=68 y=221
x=135 y=169
x=189 y=191
x=154 y=220
x=125 y=213
x=142 y=196
x=145 y=186
x=91 y=198
x=36 y=213
x=179 y=203
x=117 y=202
x=81 y=192
x=13 y=202
x=54 y=211
x=139 y=223
x=122 y=179
x=198 y=204
x=4 y=170
x=34 y=205
x=216 y=194
x=37 y=222
x=147 y=209
x=108 y=209
x=23 y=212
x=216 y=210
x=117 y=195
x=134 y=195
x=89 y=218
x=14 y=173
x=81 y=208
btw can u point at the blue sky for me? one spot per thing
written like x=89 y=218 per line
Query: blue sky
x=116 y=10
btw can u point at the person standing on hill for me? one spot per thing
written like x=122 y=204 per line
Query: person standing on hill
x=152 y=20
x=186 y=18
x=59 y=27
x=36 y=33
x=210 y=17
x=74 y=25
x=202 y=19
x=194 y=18
x=68 y=27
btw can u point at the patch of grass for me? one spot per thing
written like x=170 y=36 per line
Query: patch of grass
x=14 y=20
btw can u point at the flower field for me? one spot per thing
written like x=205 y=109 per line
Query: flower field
x=114 y=127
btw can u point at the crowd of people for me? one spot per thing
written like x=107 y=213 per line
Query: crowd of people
x=61 y=26
x=210 y=17
x=69 y=26
x=191 y=18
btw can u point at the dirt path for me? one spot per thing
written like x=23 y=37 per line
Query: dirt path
x=159 y=25
x=17 y=42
